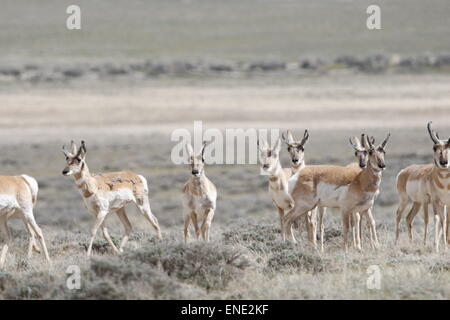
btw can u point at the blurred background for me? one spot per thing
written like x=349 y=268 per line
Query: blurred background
x=139 y=69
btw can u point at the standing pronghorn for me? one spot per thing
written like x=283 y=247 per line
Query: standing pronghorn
x=296 y=151
x=199 y=196
x=107 y=192
x=352 y=190
x=278 y=178
x=425 y=184
x=18 y=196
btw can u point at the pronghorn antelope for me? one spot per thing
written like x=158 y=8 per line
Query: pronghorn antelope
x=352 y=190
x=296 y=151
x=425 y=184
x=278 y=178
x=18 y=195
x=361 y=155
x=199 y=196
x=106 y=192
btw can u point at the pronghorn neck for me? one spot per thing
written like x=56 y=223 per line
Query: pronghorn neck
x=84 y=181
x=277 y=179
x=83 y=174
x=440 y=177
x=297 y=167
x=200 y=178
x=370 y=178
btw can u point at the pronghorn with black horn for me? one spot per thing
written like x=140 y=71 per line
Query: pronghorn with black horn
x=296 y=151
x=18 y=195
x=352 y=190
x=199 y=196
x=425 y=184
x=106 y=192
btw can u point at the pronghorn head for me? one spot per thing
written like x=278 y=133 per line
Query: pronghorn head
x=376 y=154
x=196 y=161
x=440 y=148
x=268 y=156
x=74 y=158
x=361 y=150
x=295 y=148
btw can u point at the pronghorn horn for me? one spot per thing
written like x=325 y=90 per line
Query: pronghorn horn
x=305 y=138
x=82 y=148
x=383 y=144
x=433 y=134
x=202 y=151
x=369 y=141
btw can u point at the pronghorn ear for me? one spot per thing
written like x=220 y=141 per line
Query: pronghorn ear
x=356 y=144
x=73 y=147
x=305 y=138
x=285 y=140
x=189 y=150
x=277 y=146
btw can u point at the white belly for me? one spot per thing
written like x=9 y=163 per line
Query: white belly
x=329 y=195
x=8 y=203
x=417 y=190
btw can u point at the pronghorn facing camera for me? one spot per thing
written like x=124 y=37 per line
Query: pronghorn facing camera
x=18 y=196
x=199 y=196
x=425 y=184
x=352 y=190
x=278 y=178
x=106 y=192
x=296 y=149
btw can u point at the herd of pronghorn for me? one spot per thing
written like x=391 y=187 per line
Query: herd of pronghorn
x=299 y=192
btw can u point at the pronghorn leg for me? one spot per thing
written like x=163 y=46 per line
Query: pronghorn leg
x=353 y=227
x=195 y=223
x=147 y=212
x=281 y=215
x=372 y=229
x=207 y=224
x=187 y=220
x=425 y=223
x=127 y=225
x=313 y=225
x=7 y=239
x=100 y=218
x=444 y=225
x=361 y=223
x=346 y=217
x=321 y=215
x=32 y=245
x=357 y=229
x=437 y=209
x=410 y=218
x=401 y=208
x=108 y=238
x=34 y=226
x=293 y=215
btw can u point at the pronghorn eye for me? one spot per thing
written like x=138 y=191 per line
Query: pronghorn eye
x=78 y=159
